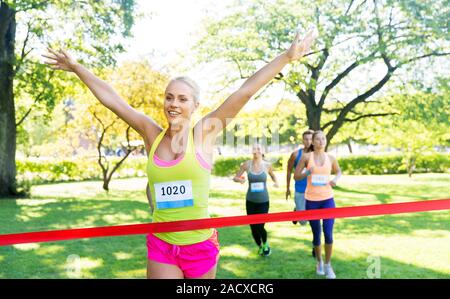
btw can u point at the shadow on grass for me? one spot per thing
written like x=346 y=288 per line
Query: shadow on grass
x=401 y=224
x=381 y=197
x=71 y=212
x=117 y=257
x=291 y=258
x=391 y=191
x=125 y=257
x=99 y=257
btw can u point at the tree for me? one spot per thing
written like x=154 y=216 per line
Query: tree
x=26 y=27
x=139 y=85
x=360 y=131
x=420 y=125
x=337 y=81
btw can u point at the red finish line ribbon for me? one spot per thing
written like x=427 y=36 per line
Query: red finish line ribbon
x=175 y=226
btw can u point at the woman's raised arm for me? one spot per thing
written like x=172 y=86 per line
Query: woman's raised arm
x=236 y=101
x=144 y=125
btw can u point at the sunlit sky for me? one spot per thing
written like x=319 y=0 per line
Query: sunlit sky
x=166 y=29
x=166 y=35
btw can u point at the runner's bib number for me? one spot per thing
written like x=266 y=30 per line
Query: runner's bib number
x=175 y=194
x=257 y=187
x=319 y=180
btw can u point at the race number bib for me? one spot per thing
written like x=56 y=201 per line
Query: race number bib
x=319 y=180
x=257 y=187
x=177 y=194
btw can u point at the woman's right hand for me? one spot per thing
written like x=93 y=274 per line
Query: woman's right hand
x=239 y=179
x=308 y=171
x=60 y=60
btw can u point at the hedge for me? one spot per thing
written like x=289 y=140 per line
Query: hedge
x=39 y=171
x=43 y=171
x=351 y=165
x=228 y=166
x=394 y=164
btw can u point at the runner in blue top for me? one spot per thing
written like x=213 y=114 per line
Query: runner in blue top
x=300 y=185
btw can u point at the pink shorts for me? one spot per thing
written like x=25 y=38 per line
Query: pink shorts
x=194 y=260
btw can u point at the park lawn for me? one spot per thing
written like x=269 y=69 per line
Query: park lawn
x=415 y=245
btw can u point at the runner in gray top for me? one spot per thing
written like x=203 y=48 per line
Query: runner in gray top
x=257 y=198
x=257 y=187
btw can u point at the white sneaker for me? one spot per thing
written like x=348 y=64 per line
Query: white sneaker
x=329 y=272
x=319 y=268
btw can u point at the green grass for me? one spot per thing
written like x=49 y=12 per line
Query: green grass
x=415 y=245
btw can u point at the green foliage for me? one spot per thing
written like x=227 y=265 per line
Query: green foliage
x=53 y=170
x=371 y=164
x=283 y=124
x=420 y=124
x=94 y=29
x=23 y=188
x=433 y=163
x=352 y=165
x=39 y=171
x=393 y=164
x=355 y=38
x=228 y=166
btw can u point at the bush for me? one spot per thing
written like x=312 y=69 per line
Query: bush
x=38 y=171
x=389 y=164
x=23 y=188
x=393 y=164
x=352 y=165
x=228 y=166
x=433 y=163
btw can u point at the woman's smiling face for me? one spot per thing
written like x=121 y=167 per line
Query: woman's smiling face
x=179 y=102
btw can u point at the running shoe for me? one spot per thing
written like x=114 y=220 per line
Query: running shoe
x=329 y=272
x=294 y=221
x=319 y=268
x=260 y=250
x=266 y=250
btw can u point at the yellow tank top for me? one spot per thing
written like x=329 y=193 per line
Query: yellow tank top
x=179 y=192
x=318 y=187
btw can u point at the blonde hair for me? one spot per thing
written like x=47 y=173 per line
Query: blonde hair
x=191 y=83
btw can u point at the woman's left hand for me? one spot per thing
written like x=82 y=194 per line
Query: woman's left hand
x=301 y=45
x=333 y=183
x=60 y=60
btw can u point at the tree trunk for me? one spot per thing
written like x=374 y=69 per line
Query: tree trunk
x=106 y=180
x=7 y=112
x=349 y=145
x=313 y=114
x=411 y=166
